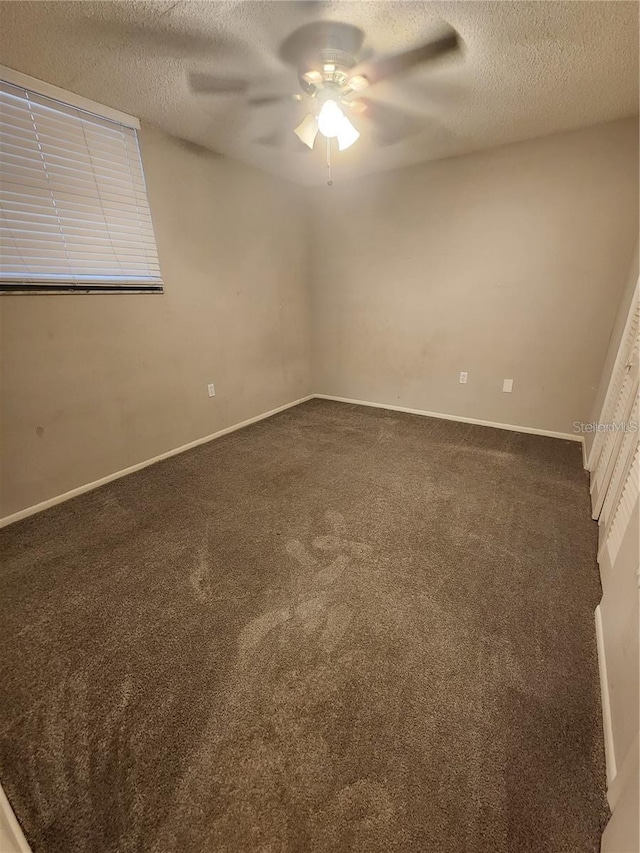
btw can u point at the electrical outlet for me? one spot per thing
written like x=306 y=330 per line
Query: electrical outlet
x=463 y=377
x=211 y=388
x=507 y=386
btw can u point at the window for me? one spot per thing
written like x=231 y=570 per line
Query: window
x=74 y=215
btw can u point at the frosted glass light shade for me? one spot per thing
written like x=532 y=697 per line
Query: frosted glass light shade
x=347 y=135
x=307 y=130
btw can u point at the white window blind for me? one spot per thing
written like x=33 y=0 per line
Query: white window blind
x=74 y=214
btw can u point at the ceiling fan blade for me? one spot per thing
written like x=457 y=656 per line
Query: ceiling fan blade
x=209 y=84
x=265 y=100
x=373 y=71
x=282 y=139
x=391 y=123
x=163 y=35
x=271 y=140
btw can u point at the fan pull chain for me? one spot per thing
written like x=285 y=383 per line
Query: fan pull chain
x=329 y=178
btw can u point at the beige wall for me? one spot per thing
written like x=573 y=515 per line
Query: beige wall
x=114 y=380
x=506 y=264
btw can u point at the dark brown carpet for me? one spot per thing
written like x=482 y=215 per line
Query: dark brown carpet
x=341 y=629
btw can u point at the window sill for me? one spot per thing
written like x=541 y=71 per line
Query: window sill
x=73 y=288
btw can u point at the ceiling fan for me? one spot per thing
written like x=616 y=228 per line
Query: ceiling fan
x=332 y=73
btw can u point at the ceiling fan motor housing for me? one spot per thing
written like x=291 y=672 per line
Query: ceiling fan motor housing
x=335 y=65
x=330 y=68
x=325 y=47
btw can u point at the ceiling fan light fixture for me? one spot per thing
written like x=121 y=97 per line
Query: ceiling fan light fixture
x=332 y=122
x=307 y=130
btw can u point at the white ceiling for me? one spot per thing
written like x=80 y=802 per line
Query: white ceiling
x=528 y=69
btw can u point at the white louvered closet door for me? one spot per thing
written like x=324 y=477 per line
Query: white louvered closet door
x=618 y=618
x=615 y=472
x=622 y=494
x=618 y=409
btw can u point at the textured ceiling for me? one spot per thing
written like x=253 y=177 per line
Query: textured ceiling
x=528 y=69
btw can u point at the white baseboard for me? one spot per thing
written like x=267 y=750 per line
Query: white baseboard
x=87 y=487
x=607 y=723
x=512 y=427
x=12 y=838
